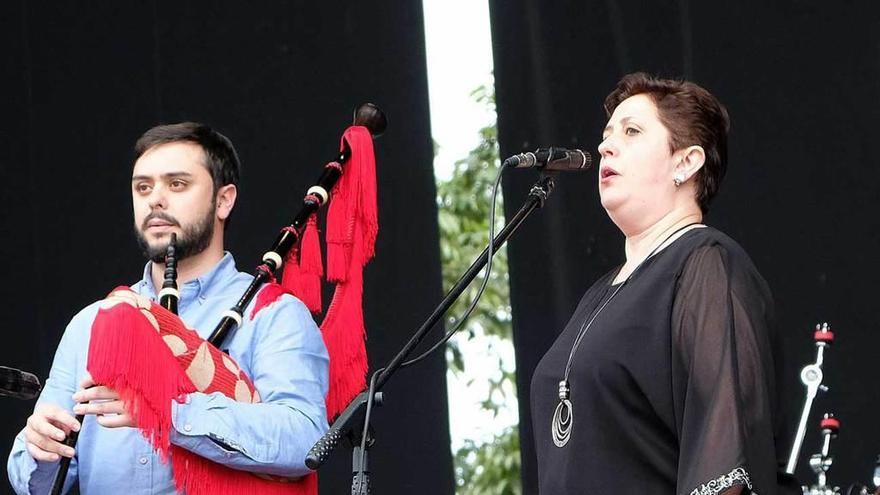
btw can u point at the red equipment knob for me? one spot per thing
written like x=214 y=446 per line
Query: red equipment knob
x=830 y=423
x=824 y=335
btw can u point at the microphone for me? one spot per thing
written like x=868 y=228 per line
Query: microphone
x=18 y=384
x=551 y=159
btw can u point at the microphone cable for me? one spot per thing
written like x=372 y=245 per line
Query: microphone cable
x=459 y=323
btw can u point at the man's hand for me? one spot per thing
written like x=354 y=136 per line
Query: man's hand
x=110 y=411
x=46 y=429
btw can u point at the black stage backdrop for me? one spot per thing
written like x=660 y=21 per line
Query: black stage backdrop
x=800 y=80
x=82 y=81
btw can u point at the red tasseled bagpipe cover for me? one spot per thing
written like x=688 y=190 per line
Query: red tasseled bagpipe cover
x=352 y=226
x=129 y=352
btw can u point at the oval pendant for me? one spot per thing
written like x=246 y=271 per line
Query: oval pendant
x=561 y=424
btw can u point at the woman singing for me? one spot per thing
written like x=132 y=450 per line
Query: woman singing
x=663 y=380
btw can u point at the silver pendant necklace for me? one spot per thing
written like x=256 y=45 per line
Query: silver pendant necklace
x=563 y=417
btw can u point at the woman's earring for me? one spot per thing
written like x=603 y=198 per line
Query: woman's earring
x=679 y=179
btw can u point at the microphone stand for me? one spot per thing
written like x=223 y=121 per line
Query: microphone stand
x=350 y=423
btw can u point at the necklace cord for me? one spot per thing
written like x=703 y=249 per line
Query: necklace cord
x=586 y=325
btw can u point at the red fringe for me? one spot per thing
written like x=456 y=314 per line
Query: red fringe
x=303 y=270
x=291 y=278
x=352 y=225
x=127 y=353
x=311 y=267
x=353 y=202
x=343 y=332
x=196 y=475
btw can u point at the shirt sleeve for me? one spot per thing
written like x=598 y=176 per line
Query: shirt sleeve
x=27 y=475
x=290 y=371
x=723 y=375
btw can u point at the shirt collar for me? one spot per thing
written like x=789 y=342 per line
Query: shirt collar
x=223 y=270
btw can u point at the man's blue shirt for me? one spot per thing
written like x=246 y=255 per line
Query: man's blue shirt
x=281 y=350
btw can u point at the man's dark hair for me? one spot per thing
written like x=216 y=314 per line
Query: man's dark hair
x=221 y=160
x=692 y=115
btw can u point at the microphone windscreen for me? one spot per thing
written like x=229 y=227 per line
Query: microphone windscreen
x=18 y=384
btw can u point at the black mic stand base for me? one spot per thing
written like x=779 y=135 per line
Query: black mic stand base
x=360 y=466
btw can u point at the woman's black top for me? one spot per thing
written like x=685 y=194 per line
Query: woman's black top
x=673 y=386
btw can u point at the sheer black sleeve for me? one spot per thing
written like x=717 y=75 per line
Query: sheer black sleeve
x=723 y=375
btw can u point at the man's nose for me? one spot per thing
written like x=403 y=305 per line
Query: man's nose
x=158 y=199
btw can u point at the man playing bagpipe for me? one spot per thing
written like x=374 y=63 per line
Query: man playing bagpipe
x=251 y=439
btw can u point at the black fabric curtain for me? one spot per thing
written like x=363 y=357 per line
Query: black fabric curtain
x=81 y=82
x=800 y=80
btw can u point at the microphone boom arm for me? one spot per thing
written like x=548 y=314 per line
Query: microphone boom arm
x=349 y=421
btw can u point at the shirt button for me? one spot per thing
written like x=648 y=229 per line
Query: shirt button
x=187 y=427
x=142 y=460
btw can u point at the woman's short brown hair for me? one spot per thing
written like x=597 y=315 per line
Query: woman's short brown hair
x=692 y=115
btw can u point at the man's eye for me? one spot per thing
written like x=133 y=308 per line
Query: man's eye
x=142 y=188
x=178 y=184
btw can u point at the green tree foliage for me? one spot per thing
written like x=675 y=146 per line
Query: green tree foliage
x=491 y=468
x=464 y=202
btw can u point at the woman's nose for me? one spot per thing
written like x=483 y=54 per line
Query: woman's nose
x=606 y=147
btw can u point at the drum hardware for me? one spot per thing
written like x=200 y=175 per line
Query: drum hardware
x=821 y=462
x=811 y=376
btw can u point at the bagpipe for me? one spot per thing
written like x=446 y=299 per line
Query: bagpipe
x=146 y=353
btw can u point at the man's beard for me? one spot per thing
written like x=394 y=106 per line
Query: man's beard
x=192 y=240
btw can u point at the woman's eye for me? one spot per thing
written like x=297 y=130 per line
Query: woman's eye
x=142 y=188
x=178 y=184
x=631 y=131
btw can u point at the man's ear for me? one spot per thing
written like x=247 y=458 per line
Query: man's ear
x=226 y=196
